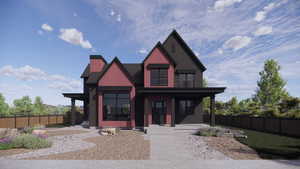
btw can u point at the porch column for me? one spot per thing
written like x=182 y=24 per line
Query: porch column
x=212 y=110
x=73 y=116
x=146 y=105
x=172 y=112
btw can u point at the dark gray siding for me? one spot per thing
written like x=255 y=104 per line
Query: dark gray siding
x=93 y=115
x=196 y=117
x=139 y=111
x=182 y=59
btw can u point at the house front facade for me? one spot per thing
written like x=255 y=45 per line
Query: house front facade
x=165 y=89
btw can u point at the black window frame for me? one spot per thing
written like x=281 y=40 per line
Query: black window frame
x=188 y=109
x=159 y=77
x=117 y=113
x=185 y=83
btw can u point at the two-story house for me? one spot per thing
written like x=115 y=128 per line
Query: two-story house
x=166 y=88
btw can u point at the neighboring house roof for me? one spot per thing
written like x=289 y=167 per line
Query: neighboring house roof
x=163 y=50
x=187 y=49
x=94 y=77
x=86 y=72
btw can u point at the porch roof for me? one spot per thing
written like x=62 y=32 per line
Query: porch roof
x=195 y=92
x=76 y=96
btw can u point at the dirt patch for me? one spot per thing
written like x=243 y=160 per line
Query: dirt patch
x=127 y=145
x=13 y=152
x=51 y=133
x=231 y=148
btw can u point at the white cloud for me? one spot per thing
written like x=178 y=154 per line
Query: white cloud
x=74 y=37
x=28 y=73
x=143 y=51
x=221 y=4
x=220 y=51
x=23 y=73
x=47 y=27
x=75 y=14
x=264 y=30
x=261 y=15
x=119 y=19
x=237 y=42
x=112 y=13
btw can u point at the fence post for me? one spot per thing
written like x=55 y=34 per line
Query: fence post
x=48 y=119
x=15 y=120
x=28 y=119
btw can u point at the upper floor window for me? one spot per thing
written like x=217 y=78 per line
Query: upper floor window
x=185 y=80
x=159 y=77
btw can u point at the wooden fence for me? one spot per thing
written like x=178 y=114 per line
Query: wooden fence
x=26 y=121
x=282 y=126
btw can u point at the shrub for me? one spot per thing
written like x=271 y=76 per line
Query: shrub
x=5 y=143
x=208 y=133
x=30 y=141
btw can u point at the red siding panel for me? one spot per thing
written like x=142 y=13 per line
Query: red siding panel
x=157 y=57
x=115 y=77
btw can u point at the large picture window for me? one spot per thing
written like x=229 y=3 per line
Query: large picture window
x=159 y=77
x=116 y=107
x=185 y=80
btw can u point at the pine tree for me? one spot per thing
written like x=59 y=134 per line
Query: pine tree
x=4 y=108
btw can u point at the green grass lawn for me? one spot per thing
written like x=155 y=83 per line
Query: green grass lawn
x=272 y=146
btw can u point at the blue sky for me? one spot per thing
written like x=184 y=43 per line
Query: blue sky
x=45 y=45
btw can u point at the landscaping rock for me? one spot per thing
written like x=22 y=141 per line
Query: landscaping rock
x=109 y=131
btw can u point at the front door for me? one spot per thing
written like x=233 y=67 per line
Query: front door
x=158 y=112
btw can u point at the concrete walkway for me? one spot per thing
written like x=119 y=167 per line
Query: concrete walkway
x=177 y=143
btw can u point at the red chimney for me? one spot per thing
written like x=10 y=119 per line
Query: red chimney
x=97 y=62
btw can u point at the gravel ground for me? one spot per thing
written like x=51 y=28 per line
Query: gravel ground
x=9 y=152
x=127 y=145
x=52 y=133
x=231 y=148
x=61 y=144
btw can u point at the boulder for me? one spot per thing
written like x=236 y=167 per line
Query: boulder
x=109 y=131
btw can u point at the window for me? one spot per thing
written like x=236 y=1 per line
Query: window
x=116 y=107
x=186 y=107
x=159 y=77
x=185 y=80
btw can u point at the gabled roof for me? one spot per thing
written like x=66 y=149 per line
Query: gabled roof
x=163 y=50
x=136 y=71
x=186 y=48
x=86 y=72
x=96 y=76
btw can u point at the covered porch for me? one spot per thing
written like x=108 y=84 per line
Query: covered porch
x=74 y=97
x=168 y=99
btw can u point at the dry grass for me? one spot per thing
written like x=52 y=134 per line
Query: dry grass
x=127 y=145
x=13 y=151
x=51 y=133
x=231 y=148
